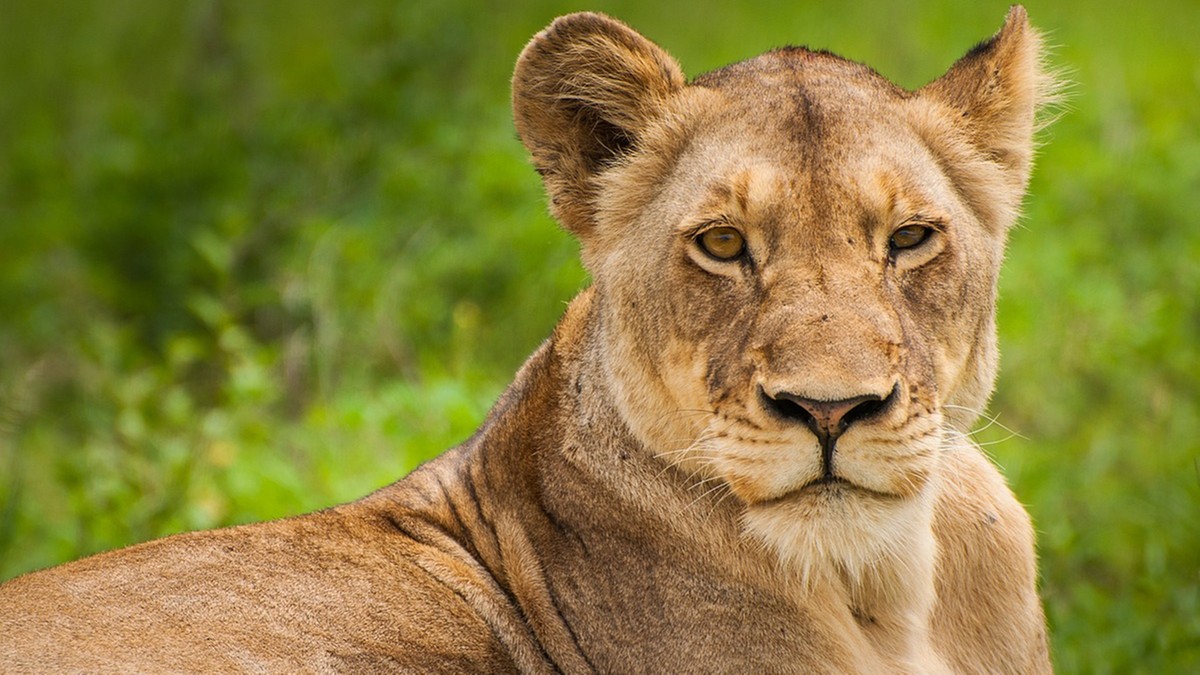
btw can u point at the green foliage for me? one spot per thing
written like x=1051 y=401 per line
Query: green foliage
x=259 y=258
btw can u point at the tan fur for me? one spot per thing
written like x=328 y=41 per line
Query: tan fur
x=645 y=497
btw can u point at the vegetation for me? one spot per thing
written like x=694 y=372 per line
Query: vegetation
x=259 y=258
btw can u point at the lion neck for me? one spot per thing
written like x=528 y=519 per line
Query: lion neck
x=613 y=441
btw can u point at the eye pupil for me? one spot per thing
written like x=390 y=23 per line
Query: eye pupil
x=723 y=243
x=909 y=236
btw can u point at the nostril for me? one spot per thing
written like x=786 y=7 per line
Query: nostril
x=787 y=407
x=864 y=410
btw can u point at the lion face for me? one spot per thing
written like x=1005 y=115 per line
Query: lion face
x=805 y=297
x=795 y=262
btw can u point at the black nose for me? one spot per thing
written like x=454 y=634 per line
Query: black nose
x=827 y=419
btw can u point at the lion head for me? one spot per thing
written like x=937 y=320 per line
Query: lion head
x=796 y=261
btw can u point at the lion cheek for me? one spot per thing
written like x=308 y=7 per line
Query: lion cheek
x=660 y=393
x=900 y=480
x=903 y=471
x=759 y=475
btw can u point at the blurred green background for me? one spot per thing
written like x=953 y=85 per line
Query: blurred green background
x=258 y=258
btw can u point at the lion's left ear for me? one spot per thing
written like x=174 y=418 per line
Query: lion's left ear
x=584 y=91
x=993 y=93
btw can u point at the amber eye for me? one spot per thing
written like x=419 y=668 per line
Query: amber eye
x=909 y=236
x=723 y=243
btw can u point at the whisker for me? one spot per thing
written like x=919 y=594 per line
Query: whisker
x=703 y=495
x=717 y=504
x=992 y=420
x=682 y=412
x=702 y=458
x=702 y=481
x=705 y=436
x=998 y=441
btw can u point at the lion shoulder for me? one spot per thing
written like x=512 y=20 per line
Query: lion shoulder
x=986 y=570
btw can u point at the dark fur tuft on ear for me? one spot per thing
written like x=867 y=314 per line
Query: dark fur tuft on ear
x=997 y=91
x=584 y=90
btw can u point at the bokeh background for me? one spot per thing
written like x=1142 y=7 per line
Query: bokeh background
x=257 y=258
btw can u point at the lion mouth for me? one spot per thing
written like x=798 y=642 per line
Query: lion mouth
x=830 y=486
x=827 y=481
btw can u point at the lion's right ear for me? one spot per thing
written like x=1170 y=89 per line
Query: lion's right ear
x=992 y=96
x=584 y=91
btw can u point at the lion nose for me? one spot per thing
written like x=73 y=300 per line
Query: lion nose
x=827 y=419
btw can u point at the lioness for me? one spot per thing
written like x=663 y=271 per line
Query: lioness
x=743 y=449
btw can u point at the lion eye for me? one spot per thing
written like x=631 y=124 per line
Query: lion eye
x=723 y=243
x=909 y=236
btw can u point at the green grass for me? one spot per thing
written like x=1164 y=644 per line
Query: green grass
x=259 y=258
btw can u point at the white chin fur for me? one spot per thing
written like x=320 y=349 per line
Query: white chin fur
x=846 y=535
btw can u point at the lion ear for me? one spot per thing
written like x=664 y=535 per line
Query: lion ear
x=994 y=92
x=584 y=91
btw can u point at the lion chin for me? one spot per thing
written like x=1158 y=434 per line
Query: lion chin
x=832 y=528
